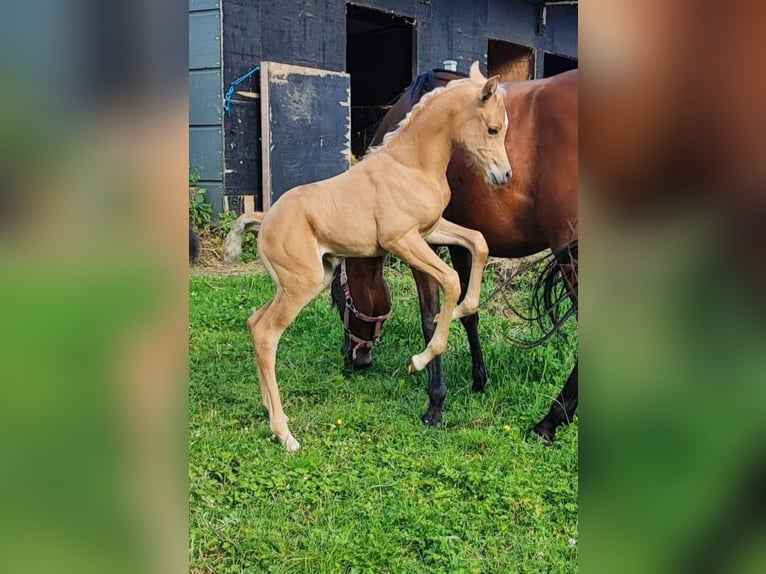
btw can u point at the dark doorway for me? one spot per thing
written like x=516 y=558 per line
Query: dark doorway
x=380 y=59
x=510 y=61
x=554 y=64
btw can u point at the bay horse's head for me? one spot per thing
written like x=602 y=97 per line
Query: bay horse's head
x=483 y=124
x=360 y=293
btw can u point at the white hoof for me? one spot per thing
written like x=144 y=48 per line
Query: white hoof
x=291 y=444
x=418 y=363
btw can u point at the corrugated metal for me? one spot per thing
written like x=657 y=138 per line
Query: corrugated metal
x=205 y=153
x=204 y=40
x=205 y=100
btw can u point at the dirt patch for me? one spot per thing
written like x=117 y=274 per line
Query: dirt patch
x=210 y=261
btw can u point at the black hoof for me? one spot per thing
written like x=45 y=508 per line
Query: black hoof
x=431 y=419
x=544 y=432
x=479 y=381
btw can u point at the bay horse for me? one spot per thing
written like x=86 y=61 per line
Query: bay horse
x=392 y=201
x=536 y=210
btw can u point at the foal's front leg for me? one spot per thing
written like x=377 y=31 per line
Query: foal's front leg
x=448 y=233
x=414 y=251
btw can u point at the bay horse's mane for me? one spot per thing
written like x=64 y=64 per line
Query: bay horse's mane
x=424 y=82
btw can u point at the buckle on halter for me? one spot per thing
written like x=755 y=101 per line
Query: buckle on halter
x=350 y=305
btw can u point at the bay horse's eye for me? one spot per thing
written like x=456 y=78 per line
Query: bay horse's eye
x=492 y=131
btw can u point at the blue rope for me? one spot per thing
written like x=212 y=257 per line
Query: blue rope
x=233 y=86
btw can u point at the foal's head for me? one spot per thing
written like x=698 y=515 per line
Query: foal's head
x=483 y=125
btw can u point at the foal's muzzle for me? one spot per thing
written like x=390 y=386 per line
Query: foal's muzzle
x=498 y=178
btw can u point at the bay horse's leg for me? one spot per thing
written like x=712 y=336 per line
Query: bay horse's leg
x=428 y=295
x=447 y=233
x=413 y=250
x=562 y=409
x=461 y=261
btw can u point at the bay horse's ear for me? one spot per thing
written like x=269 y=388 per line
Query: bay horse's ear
x=475 y=72
x=489 y=88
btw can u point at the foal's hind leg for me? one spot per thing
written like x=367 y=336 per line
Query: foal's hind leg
x=251 y=323
x=266 y=332
x=268 y=324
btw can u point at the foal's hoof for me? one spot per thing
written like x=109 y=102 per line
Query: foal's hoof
x=436 y=318
x=291 y=444
x=417 y=363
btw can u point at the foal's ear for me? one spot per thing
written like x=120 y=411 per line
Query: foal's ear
x=475 y=72
x=489 y=88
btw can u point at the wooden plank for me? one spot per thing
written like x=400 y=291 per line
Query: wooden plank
x=239 y=204
x=306 y=126
x=265 y=137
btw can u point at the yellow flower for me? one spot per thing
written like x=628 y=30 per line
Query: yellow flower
x=339 y=422
x=507 y=428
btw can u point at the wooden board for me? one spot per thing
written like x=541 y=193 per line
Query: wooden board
x=306 y=126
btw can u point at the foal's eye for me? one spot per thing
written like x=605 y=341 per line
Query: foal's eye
x=492 y=131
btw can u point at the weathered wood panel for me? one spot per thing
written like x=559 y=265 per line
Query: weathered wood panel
x=515 y=21
x=242 y=159
x=306 y=126
x=310 y=34
x=561 y=28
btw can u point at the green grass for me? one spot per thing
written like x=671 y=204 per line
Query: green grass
x=381 y=492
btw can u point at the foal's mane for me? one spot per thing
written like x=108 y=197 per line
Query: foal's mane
x=415 y=109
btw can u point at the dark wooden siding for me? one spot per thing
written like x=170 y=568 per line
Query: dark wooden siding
x=313 y=33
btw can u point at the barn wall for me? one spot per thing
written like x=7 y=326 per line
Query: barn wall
x=312 y=33
x=205 y=81
x=308 y=33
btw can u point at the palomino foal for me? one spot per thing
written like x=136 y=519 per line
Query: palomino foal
x=391 y=201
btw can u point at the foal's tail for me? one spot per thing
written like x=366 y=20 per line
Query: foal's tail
x=232 y=245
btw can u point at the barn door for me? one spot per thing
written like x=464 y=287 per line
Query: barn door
x=306 y=126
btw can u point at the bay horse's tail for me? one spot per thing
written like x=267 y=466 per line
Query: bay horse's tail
x=232 y=245
x=193 y=245
x=556 y=283
x=554 y=294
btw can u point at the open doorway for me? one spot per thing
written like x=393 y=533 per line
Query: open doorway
x=380 y=58
x=510 y=61
x=554 y=64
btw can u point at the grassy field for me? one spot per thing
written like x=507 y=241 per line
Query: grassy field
x=372 y=489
